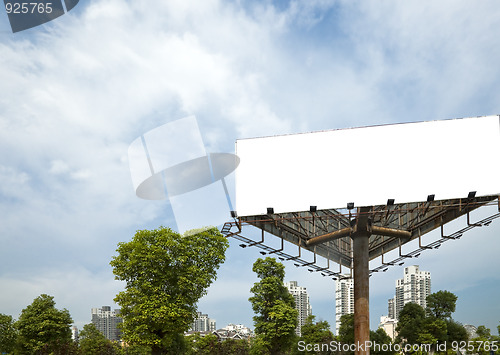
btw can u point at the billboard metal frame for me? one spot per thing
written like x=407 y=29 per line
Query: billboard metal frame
x=416 y=219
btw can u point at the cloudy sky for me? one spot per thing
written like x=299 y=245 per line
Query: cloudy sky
x=76 y=92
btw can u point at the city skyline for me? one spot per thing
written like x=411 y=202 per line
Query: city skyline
x=77 y=91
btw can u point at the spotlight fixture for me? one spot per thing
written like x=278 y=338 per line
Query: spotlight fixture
x=323 y=274
x=234 y=214
x=417 y=255
x=430 y=198
x=437 y=246
x=243 y=245
x=310 y=270
x=385 y=269
x=270 y=210
x=390 y=202
x=335 y=279
x=487 y=223
x=263 y=253
x=297 y=265
x=282 y=259
x=459 y=236
x=401 y=263
x=313 y=208
x=471 y=194
x=350 y=205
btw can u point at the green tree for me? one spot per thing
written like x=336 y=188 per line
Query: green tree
x=43 y=328
x=433 y=330
x=410 y=324
x=483 y=336
x=316 y=333
x=234 y=347
x=165 y=274
x=92 y=341
x=346 y=329
x=276 y=316
x=378 y=339
x=441 y=304
x=8 y=334
x=455 y=332
x=202 y=345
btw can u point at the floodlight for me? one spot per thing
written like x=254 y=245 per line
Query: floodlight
x=313 y=208
x=350 y=205
x=390 y=202
x=310 y=270
x=243 y=245
x=430 y=198
x=471 y=194
x=417 y=255
x=234 y=214
x=297 y=265
x=282 y=259
x=263 y=252
x=270 y=210
x=401 y=263
x=487 y=223
x=385 y=269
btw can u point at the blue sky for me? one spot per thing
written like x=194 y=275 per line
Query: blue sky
x=74 y=94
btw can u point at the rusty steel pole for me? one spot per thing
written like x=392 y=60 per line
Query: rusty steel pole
x=361 y=237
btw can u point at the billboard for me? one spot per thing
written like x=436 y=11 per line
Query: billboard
x=369 y=165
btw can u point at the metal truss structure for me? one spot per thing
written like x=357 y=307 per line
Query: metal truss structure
x=327 y=233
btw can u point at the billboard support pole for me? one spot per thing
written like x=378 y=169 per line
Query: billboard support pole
x=361 y=236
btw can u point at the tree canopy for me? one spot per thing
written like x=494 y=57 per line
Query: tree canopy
x=441 y=304
x=8 y=333
x=165 y=274
x=276 y=316
x=42 y=326
x=433 y=325
x=92 y=341
x=316 y=333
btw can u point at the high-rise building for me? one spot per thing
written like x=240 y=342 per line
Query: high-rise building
x=301 y=303
x=344 y=299
x=414 y=287
x=106 y=321
x=391 y=308
x=74 y=333
x=202 y=323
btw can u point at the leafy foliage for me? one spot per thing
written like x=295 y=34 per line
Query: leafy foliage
x=346 y=329
x=441 y=304
x=8 y=334
x=42 y=327
x=380 y=337
x=432 y=326
x=316 y=333
x=210 y=345
x=92 y=341
x=411 y=323
x=165 y=274
x=276 y=316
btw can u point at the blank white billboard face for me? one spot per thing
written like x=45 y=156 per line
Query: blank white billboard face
x=368 y=166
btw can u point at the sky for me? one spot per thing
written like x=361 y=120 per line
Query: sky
x=77 y=91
